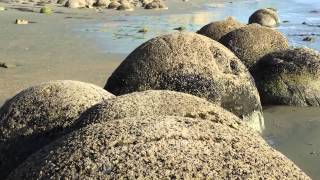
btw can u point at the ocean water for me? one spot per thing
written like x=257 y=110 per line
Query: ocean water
x=119 y=34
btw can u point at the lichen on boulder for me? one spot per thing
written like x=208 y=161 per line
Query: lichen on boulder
x=289 y=77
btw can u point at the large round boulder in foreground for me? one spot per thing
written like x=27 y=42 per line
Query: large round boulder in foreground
x=289 y=77
x=40 y=114
x=252 y=42
x=266 y=17
x=161 y=147
x=216 y=30
x=152 y=102
x=189 y=63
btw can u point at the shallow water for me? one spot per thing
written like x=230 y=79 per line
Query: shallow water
x=295 y=132
x=120 y=34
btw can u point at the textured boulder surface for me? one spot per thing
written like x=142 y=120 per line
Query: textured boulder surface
x=289 y=77
x=216 y=30
x=193 y=64
x=266 y=17
x=151 y=103
x=39 y=115
x=252 y=42
x=145 y=147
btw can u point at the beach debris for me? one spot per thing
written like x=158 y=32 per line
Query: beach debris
x=181 y=28
x=39 y=115
x=309 y=38
x=22 y=21
x=3 y=65
x=191 y=75
x=46 y=10
x=217 y=29
x=266 y=17
x=289 y=77
x=143 y=30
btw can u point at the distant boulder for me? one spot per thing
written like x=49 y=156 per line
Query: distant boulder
x=266 y=17
x=217 y=29
x=252 y=42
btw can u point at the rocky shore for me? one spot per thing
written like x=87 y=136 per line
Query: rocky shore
x=181 y=105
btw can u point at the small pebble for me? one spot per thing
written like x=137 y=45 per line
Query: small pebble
x=309 y=38
x=181 y=28
x=22 y=21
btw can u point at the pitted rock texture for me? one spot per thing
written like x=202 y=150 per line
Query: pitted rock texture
x=189 y=63
x=162 y=147
x=252 y=42
x=39 y=115
x=216 y=30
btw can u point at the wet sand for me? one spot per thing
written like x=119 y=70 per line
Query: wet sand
x=73 y=44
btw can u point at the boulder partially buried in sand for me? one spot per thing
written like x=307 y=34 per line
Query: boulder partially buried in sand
x=151 y=102
x=289 y=77
x=252 y=42
x=39 y=115
x=190 y=63
x=266 y=17
x=216 y=30
x=162 y=147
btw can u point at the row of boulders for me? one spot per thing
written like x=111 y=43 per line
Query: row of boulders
x=127 y=5
x=74 y=130
x=283 y=75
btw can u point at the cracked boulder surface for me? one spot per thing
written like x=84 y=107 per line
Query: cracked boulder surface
x=217 y=29
x=151 y=102
x=266 y=17
x=289 y=77
x=39 y=115
x=193 y=64
x=161 y=147
x=252 y=42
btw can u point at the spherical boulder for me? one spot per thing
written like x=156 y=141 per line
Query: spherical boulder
x=152 y=102
x=103 y=3
x=80 y=3
x=114 y=5
x=189 y=63
x=252 y=42
x=216 y=30
x=125 y=6
x=40 y=114
x=155 y=4
x=162 y=147
x=289 y=77
x=266 y=17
